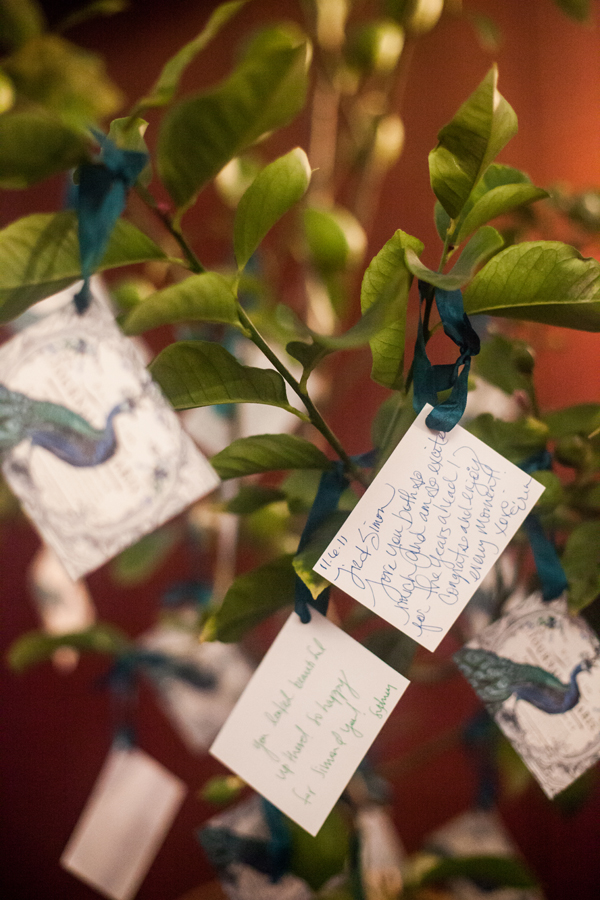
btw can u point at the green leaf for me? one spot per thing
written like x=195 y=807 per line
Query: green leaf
x=505 y=363
x=541 y=281
x=319 y=540
x=514 y=440
x=252 y=497
x=495 y=871
x=128 y=134
x=499 y=190
x=575 y=9
x=138 y=562
x=91 y=11
x=37 y=646
x=201 y=134
x=20 y=20
x=202 y=373
x=34 y=146
x=167 y=83
x=334 y=237
x=582 y=565
x=469 y=143
x=69 y=81
x=484 y=244
x=387 y=282
x=582 y=419
x=251 y=598
x=272 y=193
x=39 y=255
x=267 y=453
x=200 y=298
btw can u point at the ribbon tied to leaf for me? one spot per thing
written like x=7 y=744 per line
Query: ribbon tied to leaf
x=99 y=201
x=430 y=379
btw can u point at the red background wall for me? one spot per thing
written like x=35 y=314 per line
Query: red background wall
x=57 y=730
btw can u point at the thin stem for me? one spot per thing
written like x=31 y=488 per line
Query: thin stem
x=316 y=419
x=193 y=261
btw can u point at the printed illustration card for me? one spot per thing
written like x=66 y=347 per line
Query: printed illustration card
x=305 y=721
x=429 y=528
x=128 y=814
x=89 y=445
x=537 y=669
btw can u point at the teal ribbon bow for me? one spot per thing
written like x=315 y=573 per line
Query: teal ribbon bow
x=99 y=201
x=429 y=379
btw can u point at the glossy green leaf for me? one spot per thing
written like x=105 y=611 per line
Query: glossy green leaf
x=541 y=281
x=20 y=20
x=505 y=363
x=575 y=9
x=200 y=298
x=201 y=373
x=38 y=646
x=252 y=497
x=201 y=134
x=499 y=190
x=581 y=562
x=64 y=78
x=39 y=255
x=495 y=871
x=316 y=545
x=514 y=440
x=582 y=419
x=34 y=146
x=334 y=238
x=167 y=83
x=387 y=282
x=267 y=453
x=137 y=563
x=251 y=598
x=272 y=193
x=469 y=143
x=484 y=244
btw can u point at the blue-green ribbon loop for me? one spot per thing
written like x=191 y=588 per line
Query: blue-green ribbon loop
x=549 y=568
x=430 y=379
x=100 y=199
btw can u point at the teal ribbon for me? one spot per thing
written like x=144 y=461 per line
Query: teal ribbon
x=99 y=201
x=428 y=379
x=332 y=485
x=549 y=568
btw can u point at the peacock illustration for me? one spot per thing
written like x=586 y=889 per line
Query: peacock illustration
x=63 y=432
x=496 y=678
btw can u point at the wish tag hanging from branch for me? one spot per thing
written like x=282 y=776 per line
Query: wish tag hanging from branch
x=429 y=528
x=537 y=669
x=90 y=447
x=307 y=718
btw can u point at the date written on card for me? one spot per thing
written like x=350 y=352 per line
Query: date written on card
x=307 y=718
x=432 y=524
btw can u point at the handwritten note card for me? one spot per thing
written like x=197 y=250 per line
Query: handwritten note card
x=434 y=521
x=307 y=718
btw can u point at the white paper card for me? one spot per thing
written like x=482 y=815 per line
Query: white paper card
x=125 y=820
x=97 y=484
x=537 y=669
x=431 y=525
x=305 y=721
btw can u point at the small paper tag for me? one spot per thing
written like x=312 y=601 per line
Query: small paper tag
x=199 y=714
x=537 y=669
x=125 y=820
x=431 y=525
x=93 y=451
x=308 y=716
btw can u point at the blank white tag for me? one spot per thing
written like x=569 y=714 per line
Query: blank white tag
x=125 y=820
x=307 y=718
x=431 y=525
